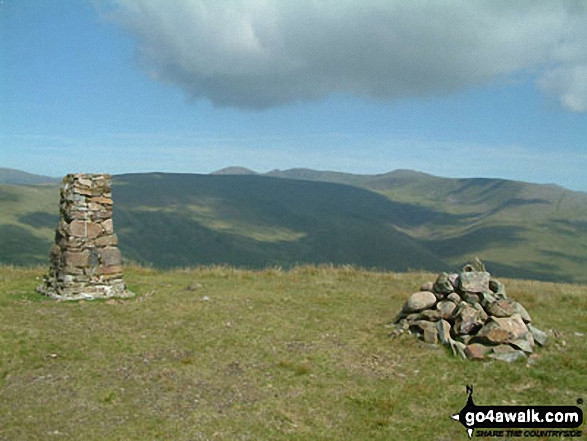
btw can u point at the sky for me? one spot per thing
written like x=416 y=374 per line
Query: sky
x=467 y=88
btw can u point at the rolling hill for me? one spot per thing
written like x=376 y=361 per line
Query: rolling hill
x=396 y=221
x=17 y=177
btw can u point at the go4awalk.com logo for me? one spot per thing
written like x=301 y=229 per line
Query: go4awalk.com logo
x=520 y=421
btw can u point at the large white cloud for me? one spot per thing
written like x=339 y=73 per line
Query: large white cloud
x=261 y=53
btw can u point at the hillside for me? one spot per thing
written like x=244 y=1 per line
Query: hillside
x=521 y=229
x=397 y=221
x=16 y=177
x=176 y=220
x=269 y=355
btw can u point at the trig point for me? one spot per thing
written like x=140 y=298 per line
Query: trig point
x=85 y=260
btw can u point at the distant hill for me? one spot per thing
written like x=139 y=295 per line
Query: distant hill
x=17 y=177
x=397 y=220
x=523 y=230
x=234 y=171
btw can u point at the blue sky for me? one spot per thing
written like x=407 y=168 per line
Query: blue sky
x=456 y=89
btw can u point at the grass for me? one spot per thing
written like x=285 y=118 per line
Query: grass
x=218 y=353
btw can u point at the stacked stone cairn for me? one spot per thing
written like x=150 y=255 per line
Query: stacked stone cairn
x=85 y=261
x=470 y=313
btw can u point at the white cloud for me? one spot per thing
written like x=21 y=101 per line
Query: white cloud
x=261 y=53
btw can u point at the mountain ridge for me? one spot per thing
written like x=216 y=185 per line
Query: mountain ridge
x=533 y=231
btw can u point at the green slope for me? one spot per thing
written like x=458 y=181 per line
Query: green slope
x=174 y=220
x=521 y=229
x=28 y=217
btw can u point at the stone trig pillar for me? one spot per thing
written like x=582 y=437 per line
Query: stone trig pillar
x=85 y=260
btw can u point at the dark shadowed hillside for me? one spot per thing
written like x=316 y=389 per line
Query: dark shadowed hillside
x=175 y=220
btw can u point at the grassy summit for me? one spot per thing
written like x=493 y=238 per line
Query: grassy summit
x=220 y=353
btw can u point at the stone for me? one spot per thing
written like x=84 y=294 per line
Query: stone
x=476 y=351
x=428 y=286
x=432 y=315
x=110 y=256
x=468 y=320
x=475 y=266
x=442 y=285
x=471 y=298
x=501 y=308
x=454 y=297
x=487 y=298
x=474 y=281
x=431 y=335
x=540 y=337
x=514 y=325
x=421 y=326
x=496 y=328
x=76 y=259
x=108 y=226
x=106 y=241
x=85 y=229
x=522 y=311
x=446 y=308
x=507 y=353
x=525 y=343
x=497 y=287
x=453 y=278
x=458 y=349
x=492 y=334
x=100 y=200
x=420 y=300
x=443 y=328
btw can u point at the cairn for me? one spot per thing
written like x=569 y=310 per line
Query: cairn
x=85 y=262
x=470 y=313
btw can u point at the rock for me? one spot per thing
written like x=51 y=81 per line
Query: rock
x=85 y=229
x=443 y=328
x=492 y=334
x=454 y=297
x=442 y=286
x=420 y=300
x=468 y=320
x=458 y=349
x=453 y=278
x=108 y=226
x=475 y=266
x=107 y=241
x=474 y=281
x=522 y=311
x=501 y=308
x=446 y=308
x=496 y=328
x=506 y=353
x=432 y=315
x=427 y=330
x=428 y=286
x=471 y=298
x=497 y=288
x=487 y=298
x=476 y=351
x=431 y=335
x=525 y=344
x=539 y=336
x=78 y=259
x=110 y=256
